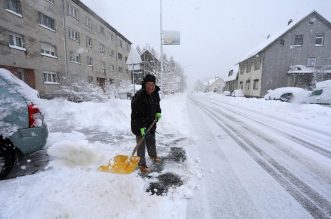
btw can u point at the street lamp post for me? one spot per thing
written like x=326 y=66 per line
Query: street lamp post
x=161 y=49
x=187 y=66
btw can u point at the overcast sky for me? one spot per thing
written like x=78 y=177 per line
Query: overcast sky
x=215 y=34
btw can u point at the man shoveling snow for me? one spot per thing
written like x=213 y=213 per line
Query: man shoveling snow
x=145 y=108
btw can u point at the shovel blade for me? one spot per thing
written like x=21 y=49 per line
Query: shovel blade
x=123 y=164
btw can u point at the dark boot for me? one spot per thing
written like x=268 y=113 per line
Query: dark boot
x=144 y=169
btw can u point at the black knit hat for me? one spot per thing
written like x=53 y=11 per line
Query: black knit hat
x=150 y=78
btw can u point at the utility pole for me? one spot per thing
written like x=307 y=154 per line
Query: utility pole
x=161 y=49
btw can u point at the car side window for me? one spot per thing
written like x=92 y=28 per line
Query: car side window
x=317 y=92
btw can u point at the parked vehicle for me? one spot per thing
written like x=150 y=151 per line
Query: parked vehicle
x=22 y=127
x=287 y=94
x=237 y=93
x=227 y=93
x=321 y=94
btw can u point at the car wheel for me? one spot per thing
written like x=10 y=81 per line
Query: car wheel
x=7 y=158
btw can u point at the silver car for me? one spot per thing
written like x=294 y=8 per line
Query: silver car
x=22 y=127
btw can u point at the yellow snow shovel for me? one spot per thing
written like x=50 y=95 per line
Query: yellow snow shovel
x=124 y=164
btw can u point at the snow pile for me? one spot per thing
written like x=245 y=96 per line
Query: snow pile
x=112 y=116
x=75 y=154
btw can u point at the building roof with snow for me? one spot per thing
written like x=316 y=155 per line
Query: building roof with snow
x=233 y=73
x=273 y=38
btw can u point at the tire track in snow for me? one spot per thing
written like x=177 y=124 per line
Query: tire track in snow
x=308 y=164
x=307 y=197
x=317 y=131
x=303 y=143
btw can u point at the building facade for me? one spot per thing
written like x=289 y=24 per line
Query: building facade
x=49 y=42
x=297 y=57
x=150 y=65
x=231 y=80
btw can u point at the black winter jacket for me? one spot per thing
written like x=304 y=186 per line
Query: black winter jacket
x=143 y=110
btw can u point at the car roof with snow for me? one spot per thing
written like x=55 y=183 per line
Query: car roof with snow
x=323 y=84
x=19 y=86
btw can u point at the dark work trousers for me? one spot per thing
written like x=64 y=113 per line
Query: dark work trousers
x=151 y=147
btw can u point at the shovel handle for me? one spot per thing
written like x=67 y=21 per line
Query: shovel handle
x=142 y=139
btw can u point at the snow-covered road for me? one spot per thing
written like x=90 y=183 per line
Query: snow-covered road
x=260 y=160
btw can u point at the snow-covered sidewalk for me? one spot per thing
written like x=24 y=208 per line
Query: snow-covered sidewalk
x=84 y=136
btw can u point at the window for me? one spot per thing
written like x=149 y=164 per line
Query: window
x=72 y=11
x=16 y=41
x=111 y=52
x=50 y=78
x=15 y=7
x=102 y=29
x=88 y=22
x=230 y=73
x=112 y=67
x=50 y=1
x=102 y=48
x=311 y=62
x=74 y=57
x=298 y=41
x=312 y=20
x=257 y=63
x=248 y=84
x=121 y=44
x=46 y=21
x=103 y=66
x=126 y=58
x=90 y=79
x=319 y=40
x=112 y=37
x=120 y=57
x=48 y=50
x=317 y=92
x=281 y=42
x=89 y=61
x=249 y=66
x=120 y=69
x=241 y=85
x=89 y=42
x=256 y=84
x=74 y=35
x=242 y=69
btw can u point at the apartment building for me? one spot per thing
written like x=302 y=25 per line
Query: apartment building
x=298 y=56
x=49 y=42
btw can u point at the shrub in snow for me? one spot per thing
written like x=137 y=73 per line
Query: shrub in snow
x=81 y=91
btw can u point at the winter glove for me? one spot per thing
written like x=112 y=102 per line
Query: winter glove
x=143 y=131
x=158 y=116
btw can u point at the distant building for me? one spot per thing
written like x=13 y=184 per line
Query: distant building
x=215 y=85
x=150 y=65
x=298 y=56
x=231 y=80
x=46 y=42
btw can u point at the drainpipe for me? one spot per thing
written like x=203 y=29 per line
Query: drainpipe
x=65 y=39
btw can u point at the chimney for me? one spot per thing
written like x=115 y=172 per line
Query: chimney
x=289 y=22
